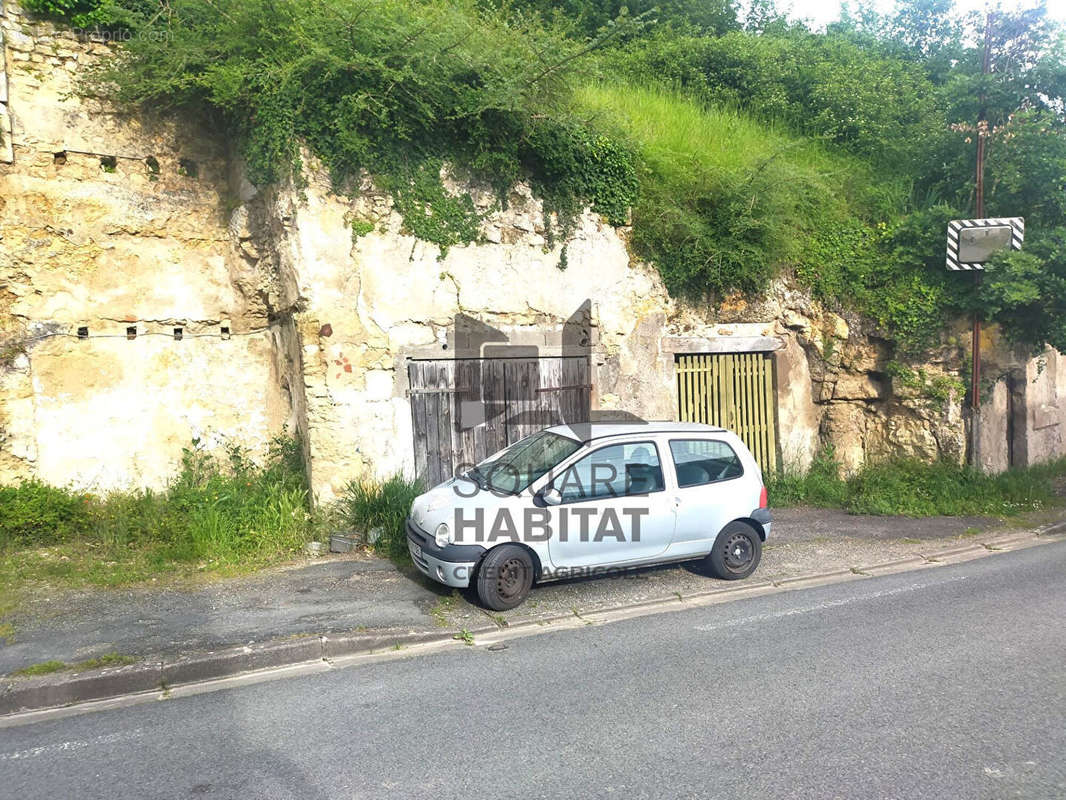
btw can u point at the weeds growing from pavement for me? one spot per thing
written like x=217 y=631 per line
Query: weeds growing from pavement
x=44 y=668
x=48 y=667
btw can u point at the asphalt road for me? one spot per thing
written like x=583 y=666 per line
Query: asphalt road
x=942 y=683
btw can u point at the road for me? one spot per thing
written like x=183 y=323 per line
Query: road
x=947 y=682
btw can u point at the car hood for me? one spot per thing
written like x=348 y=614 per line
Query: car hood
x=441 y=503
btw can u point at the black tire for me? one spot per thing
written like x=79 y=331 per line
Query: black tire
x=505 y=577
x=736 y=552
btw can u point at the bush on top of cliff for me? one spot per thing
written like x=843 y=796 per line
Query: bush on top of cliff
x=102 y=14
x=396 y=87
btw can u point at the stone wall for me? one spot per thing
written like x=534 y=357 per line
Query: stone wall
x=118 y=227
x=111 y=223
x=1023 y=410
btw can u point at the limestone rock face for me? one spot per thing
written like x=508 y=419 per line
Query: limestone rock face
x=105 y=229
x=115 y=232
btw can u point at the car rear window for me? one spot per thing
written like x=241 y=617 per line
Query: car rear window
x=700 y=461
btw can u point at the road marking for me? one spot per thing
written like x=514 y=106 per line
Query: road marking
x=74 y=744
x=822 y=606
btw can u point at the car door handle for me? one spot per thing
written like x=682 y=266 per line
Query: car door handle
x=677 y=502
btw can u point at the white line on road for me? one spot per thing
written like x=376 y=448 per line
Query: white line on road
x=74 y=744
x=823 y=606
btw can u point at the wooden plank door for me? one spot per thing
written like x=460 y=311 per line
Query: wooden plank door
x=464 y=410
x=734 y=391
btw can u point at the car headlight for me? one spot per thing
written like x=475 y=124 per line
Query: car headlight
x=443 y=535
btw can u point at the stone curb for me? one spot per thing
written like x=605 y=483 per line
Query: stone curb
x=21 y=695
x=673 y=601
x=899 y=565
x=18 y=695
x=824 y=577
x=61 y=689
x=1054 y=529
x=969 y=549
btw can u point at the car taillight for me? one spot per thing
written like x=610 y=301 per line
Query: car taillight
x=764 y=498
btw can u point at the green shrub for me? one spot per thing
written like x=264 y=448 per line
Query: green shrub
x=824 y=86
x=918 y=489
x=225 y=510
x=34 y=513
x=395 y=87
x=383 y=506
x=103 y=14
x=820 y=485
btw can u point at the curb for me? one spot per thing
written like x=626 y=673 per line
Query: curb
x=158 y=675
x=20 y=695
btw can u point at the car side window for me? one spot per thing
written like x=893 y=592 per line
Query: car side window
x=699 y=461
x=618 y=470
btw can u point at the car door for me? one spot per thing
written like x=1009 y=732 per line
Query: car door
x=708 y=473
x=613 y=507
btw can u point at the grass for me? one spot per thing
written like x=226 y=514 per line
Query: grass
x=724 y=199
x=383 y=506
x=48 y=667
x=220 y=515
x=917 y=489
x=44 y=668
x=679 y=134
x=106 y=660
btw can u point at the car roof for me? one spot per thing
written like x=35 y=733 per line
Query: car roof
x=587 y=432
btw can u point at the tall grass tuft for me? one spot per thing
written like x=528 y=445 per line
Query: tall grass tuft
x=383 y=506
x=724 y=200
x=220 y=511
x=917 y=489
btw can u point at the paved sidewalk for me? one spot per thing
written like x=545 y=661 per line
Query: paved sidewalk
x=316 y=613
x=365 y=593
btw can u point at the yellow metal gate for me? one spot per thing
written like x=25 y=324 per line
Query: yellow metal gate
x=734 y=391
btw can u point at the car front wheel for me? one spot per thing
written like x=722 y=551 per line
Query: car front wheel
x=736 y=552
x=505 y=577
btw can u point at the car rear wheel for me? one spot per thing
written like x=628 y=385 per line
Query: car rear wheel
x=505 y=577
x=736 y=552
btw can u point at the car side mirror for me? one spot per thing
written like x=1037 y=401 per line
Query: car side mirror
x=551 y=496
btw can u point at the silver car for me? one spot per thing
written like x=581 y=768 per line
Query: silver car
x=579 y=501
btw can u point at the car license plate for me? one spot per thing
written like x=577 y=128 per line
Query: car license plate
x=416 y=550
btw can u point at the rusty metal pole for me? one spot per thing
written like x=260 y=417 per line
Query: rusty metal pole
x=975 y=371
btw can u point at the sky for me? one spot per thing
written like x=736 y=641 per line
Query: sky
x=823 y=11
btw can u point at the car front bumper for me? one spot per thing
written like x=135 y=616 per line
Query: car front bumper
x=453 y=565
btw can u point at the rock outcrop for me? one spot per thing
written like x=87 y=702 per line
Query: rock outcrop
x=151 y=296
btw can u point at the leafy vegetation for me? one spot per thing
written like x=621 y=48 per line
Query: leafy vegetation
x=858 y=141
x=382 y=506
x=48 y=667
x=396 y=87
x=104 y=14
x=918 y=489
x=723 y=200
x=43 y=668
x=219 y=514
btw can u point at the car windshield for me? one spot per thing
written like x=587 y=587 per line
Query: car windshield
x=512 y=470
